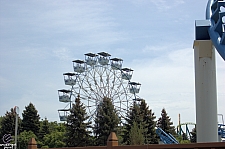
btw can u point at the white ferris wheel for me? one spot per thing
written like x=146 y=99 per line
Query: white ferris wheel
x=95 y=78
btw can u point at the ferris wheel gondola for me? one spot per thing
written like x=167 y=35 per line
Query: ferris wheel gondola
x=98 y=77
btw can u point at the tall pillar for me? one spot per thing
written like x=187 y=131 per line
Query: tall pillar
x=205 y=91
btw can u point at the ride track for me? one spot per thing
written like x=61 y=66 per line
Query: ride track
x=214 y=26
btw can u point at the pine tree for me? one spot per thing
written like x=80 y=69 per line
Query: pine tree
x=149 y=123
x=134 y=116
x=164 y=122
x=8 y=124
x=136 y=136
x=30 y=120
x=44 y=129
x=193 y=138
x=106 y=121
x=77 y=133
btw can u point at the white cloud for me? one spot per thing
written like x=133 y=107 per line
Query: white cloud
x=164 y=5
x=168 y=81
x=63 y=54
x=40 y=39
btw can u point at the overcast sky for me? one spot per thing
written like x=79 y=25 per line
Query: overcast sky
x=40 y=39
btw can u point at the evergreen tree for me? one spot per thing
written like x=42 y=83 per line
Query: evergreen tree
x=44 y=129
x=193 y=138
x=77 y=133
x=164 y=122
x=106 y=121
x=134 y=116
x=8 y=124
x=149 y=123
x=30 y=120
x=136 y=136
x=184 y=136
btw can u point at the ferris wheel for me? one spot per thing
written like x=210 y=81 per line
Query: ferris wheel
x=95 y=78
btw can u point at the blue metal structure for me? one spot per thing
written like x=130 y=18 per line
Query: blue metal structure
x=180 y=131
x=217 y=28
x=221 y=130
x=213 y=28
x=166 y=138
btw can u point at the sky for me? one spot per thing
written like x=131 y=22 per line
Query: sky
x=40 y=39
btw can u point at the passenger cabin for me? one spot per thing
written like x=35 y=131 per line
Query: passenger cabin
x=138 y=99
x=127 y=73
x=116 y=63
x=103 y=58
x=91 y=59
x=134 y=87
x=79 y=66
x=70 y=78
x=64 y=95
x=63 y=114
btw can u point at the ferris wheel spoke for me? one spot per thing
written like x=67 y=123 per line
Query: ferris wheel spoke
x=88 y=81
x=96 y=78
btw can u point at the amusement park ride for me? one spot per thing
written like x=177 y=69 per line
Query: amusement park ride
x=97 y=77
x=100 y=76
x=209 y=33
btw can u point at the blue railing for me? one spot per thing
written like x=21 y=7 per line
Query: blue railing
x=166 y=138
x=217 y=26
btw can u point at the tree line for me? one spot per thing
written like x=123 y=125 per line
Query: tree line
x=137 y=128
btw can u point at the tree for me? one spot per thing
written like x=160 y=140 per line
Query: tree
x=136 y=136
x=193 y=138
x=164 y=122
x=30 y=120
x=77 y=133
x=8 y=124
x=24 y=137
x=106 y=121
x=149 y=124
x=54 y=140
x=134 y=116
x=44 y=129
x=56 y=136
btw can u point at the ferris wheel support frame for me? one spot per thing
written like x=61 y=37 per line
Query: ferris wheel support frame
x=97 y=77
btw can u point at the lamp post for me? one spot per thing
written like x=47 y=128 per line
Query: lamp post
x=16 y=109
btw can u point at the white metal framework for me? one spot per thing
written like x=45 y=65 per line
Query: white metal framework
x=99 y=77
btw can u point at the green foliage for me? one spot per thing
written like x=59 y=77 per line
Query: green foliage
x=54 y=126
x=55 y=137
x=184 y=136
x=44 y=129
x=1 y=118
x=106 y=121
x=182 y=139
x=164 y=122
x=54 y=140
x=77 y=133
x=24 y=138
x=136 y=136
x=134 y=115
x=143 y=116
x=8 y=124
x=149 y=124
x=193 y=138
x=30 y=120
